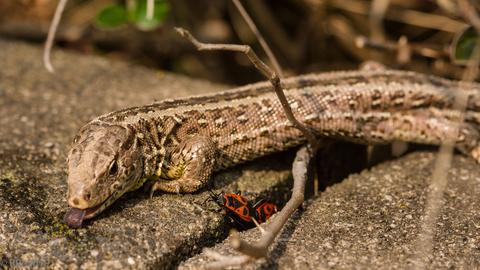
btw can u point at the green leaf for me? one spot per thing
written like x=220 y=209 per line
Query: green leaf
x=463 y=46
x=111 y=16
x=138 y=14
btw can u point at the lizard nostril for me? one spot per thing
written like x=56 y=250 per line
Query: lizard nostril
x=75 y=201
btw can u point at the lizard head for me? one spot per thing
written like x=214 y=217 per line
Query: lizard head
x=103 y=163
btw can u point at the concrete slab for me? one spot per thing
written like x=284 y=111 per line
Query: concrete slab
x=372 y=220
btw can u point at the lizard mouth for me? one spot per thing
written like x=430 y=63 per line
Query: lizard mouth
x=74 y=217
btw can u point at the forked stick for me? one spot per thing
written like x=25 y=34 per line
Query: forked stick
x=300 y=169
x=264 y=69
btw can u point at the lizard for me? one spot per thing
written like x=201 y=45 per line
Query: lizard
x=178 y=144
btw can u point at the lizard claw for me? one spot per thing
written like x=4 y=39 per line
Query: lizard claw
x=152 y=190
x=168 y=186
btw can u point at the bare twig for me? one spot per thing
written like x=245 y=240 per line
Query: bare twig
x=344 y=33
x=469 y=12
x=443 y=162
x=404 y=53
x=51 y=35
x=259 y=36
x=449 y=6
x=222 y=261
x=150 y=9
x=378 y=9
x=258 y=225
x=300 y=170
x=418 y=49
x=264 y=69
x=411 y=17
x=291 y=48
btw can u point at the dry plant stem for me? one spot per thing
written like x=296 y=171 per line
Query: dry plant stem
x=222 y=261
x=433 y=205
x=404 y=53
x=264 y=69
x=258 y=225
x=411 y=17
x=442 y=165
x=343 y=31
x=259 y=36
x=291 y=48
x=418 y=49
x=377 y=13
x=51 y=35
x=150 y=9
x=449 y=6
x=300 y=169
x=468 y=11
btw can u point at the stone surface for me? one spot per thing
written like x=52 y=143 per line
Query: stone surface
x=40 y=114
x=372 y=221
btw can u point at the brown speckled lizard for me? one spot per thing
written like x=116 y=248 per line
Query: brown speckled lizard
x=178 y=144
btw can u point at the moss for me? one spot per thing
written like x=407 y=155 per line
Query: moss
x=8 y=175
x=59 y=229
x=31 y=196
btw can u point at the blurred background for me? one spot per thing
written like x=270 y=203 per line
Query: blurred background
x=305 y=35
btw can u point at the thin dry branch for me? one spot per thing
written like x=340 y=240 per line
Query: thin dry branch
x=418 y=49
x=469 y=13
x=150 y=9
x=222 y=261
x=264 y=69
x=291 y=48
x=51 y=35
x=407 y=16
x=300 y=169
x=442 y=165
x=378 y=8
x=259 y=36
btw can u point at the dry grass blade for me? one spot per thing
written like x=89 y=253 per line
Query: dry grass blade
x=378 y=9
x=259 y=36
x=150 y=9
x=51 y=35
x=439 y=180
x=407 y=16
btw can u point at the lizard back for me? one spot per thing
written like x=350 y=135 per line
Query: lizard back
x=249 y=122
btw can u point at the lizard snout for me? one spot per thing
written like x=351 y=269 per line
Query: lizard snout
x=81 y=200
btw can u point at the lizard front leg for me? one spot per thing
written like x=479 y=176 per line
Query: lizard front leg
x=189 y=166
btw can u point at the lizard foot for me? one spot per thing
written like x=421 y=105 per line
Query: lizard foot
x=168 y=186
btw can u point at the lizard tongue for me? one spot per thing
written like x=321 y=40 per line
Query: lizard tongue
x=74 y=217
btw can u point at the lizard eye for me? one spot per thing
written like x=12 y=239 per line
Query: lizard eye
x=113 y=169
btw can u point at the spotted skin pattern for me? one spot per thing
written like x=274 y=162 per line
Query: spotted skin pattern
x=178 y=144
